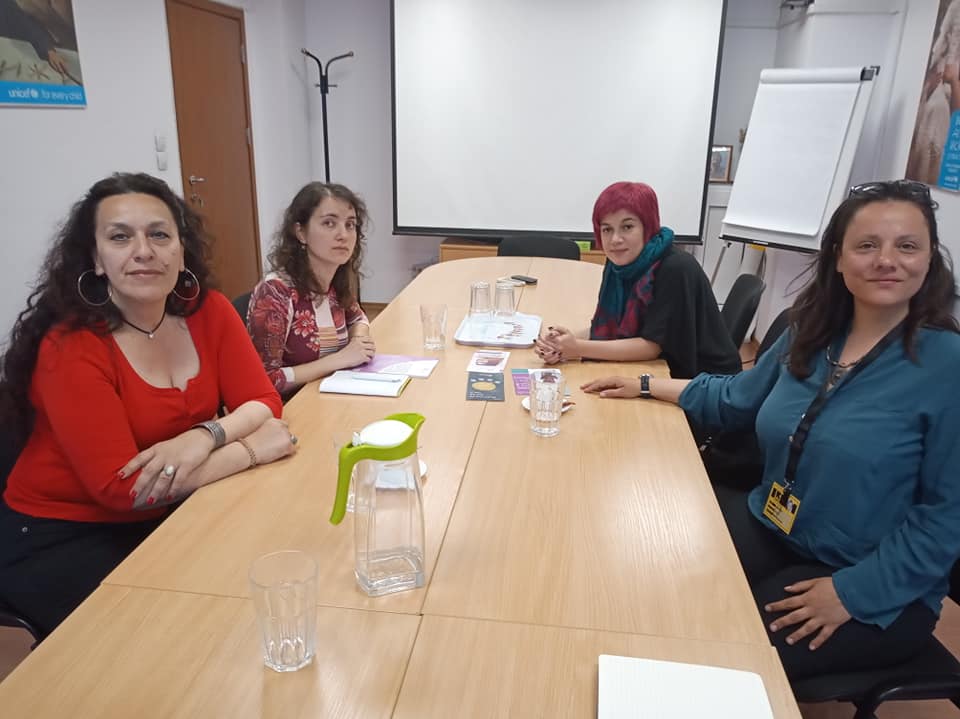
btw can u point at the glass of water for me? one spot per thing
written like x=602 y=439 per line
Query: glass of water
x=546 y=401
x=505 y=301
x=284 y=589
x=480 y=299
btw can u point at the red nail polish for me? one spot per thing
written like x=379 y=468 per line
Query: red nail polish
x=150 y=500
x=169 y=497
x=133 y=494
x=119 y=475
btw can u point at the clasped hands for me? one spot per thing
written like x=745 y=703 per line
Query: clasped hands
x=557 y=345
x=167 y=468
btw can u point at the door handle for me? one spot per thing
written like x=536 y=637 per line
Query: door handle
x=193 y=179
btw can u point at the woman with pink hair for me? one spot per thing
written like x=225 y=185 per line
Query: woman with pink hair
x=655 y=301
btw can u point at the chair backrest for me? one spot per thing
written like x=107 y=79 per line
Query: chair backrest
x=242 y=303
x=741 y=306
x=559 y=247
x=9 y=451
x=777 y=328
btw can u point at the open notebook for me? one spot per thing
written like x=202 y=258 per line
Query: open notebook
x=631 y=687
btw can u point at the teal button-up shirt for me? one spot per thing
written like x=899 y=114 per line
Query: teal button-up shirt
x=879 y=477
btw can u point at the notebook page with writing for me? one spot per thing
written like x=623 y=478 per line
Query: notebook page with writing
x=630 y=687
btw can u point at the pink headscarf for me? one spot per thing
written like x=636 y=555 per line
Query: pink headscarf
x=636 y=197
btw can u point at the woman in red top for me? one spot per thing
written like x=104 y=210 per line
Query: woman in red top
x=113 y=378
x=304 y=317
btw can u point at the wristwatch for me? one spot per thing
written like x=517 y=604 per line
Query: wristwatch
x=645 y=386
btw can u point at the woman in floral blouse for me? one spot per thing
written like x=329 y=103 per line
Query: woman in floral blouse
x=304 y=317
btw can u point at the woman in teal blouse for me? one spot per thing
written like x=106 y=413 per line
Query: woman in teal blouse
x=849 y=539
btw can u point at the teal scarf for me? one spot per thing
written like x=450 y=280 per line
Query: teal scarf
x=618 y=282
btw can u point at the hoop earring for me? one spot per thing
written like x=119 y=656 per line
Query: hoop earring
x=189 y=282
x=84 y=297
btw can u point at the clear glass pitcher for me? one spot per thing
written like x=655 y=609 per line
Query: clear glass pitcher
x=388 y=505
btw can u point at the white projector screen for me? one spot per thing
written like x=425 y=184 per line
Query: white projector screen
x=510 y=116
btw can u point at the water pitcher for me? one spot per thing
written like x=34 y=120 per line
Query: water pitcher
x=388 y=507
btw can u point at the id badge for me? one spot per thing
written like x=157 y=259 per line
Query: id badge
x=782 y=515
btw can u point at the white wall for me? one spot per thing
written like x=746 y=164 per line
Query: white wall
x=749 y=46
x=280 y=87
x=50 y=157
x=359 y=121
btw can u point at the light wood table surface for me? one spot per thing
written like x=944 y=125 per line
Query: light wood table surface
x=469 y=668
x=208 y=543
x=145 y=653
x=610 y=526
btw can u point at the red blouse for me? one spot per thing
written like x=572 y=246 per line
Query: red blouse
x=94 y=413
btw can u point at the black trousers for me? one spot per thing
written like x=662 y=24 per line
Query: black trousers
x=770 y=565
x=49 y=566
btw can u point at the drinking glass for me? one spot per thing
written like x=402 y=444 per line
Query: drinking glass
x=434 y=319
x=480 y=299
x=284 y=589
x=505 y=303
x=546 y=401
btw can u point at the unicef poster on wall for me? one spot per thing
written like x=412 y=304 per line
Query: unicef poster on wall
x=39 y=62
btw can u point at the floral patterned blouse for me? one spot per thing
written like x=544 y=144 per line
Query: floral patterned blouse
x=289 y=329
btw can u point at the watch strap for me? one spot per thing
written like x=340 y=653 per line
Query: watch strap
x=645 y=386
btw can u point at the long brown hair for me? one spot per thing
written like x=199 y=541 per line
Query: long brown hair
x=288 y=256
x=824 y=307
x=56 y=299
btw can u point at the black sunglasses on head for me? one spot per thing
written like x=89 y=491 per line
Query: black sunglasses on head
x=910 y=188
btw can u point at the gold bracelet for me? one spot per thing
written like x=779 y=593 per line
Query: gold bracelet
x=253 y=455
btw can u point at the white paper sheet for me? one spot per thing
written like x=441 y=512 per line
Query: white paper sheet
x=631 y=687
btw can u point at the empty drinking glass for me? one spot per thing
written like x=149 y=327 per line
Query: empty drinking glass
x=434 y=319
x=505 y=303
x=480 y=299
x=546 y=401
x=284 y=589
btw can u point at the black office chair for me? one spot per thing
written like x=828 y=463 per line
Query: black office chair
x=241 y=304
x=9 y=451
x=741 y=306
x=934 y=673
x=734 y=459
x=776 y=328
x=559 y=247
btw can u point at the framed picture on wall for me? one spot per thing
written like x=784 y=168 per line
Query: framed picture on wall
x=720 y=157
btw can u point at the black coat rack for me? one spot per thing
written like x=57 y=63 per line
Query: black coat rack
x=325 y=86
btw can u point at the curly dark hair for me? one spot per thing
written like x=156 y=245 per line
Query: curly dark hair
x=55 y=298
x=824 y=307
x=288 y=256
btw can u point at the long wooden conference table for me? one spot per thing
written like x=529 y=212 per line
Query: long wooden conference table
x=541 y=555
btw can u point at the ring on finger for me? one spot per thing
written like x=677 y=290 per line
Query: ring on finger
x=169 y=471
x=293 y=438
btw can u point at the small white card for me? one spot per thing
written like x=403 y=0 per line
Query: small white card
x=488 y=361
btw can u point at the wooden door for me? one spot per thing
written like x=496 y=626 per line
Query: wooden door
x=213 y=121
